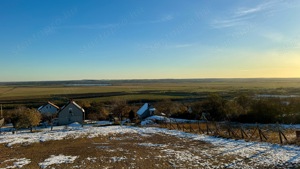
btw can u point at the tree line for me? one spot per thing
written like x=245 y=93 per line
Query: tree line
x=250 y=109
x=242 y=108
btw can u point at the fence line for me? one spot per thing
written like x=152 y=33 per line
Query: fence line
x=232 y=130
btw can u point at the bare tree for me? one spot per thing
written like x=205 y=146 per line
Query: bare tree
x=23 y=117
x=120 y=108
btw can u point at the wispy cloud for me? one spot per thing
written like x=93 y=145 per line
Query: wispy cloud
x=185 y=45
x=243 y=14
x=165 y=18
x=162 y=19
x=113 y=25
x=225 y=23
x=165 y=45
x=259 y=8
x=88 y=26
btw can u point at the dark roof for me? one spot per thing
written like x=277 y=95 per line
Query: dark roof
x=52 y=104
x=74 y=103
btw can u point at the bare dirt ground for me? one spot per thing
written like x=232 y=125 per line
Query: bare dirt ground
x=126 y=151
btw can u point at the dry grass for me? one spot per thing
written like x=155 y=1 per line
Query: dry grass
x=106 y=151
x=125 y=151
x=118 y=151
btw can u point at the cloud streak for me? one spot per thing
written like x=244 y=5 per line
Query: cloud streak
x=242 y=15
x=162 y=19
x=88 y=26
x=113 y=25
x=252 y=11
x=225 y=23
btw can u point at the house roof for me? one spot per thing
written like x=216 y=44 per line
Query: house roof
x=52 y=104
x=75 y=104
x=142 y=109
x=78 y=106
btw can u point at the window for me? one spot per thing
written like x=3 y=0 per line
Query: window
x=71 y=111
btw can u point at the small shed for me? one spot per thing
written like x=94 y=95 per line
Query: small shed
x=71 y=113
x=145 y=111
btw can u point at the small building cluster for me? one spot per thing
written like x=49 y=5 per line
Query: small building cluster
x=72 y=112
x=68 y=114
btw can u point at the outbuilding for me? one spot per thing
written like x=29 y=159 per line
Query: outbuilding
x=145 y=111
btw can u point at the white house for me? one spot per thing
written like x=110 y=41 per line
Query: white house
x=145 y=111
x=71 y=113
x=48 y=109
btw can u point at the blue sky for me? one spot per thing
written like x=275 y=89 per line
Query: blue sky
x=132 y=39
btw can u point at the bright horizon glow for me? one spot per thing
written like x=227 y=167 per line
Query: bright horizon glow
x=171 y=39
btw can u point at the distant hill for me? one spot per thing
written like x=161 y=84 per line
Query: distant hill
x=134 y=81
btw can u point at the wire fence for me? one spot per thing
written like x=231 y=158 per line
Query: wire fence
x=274 y=133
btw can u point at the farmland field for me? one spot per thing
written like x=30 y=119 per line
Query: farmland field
x=138 y=90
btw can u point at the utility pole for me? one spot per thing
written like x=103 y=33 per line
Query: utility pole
x=1 y=119
x=1 y=113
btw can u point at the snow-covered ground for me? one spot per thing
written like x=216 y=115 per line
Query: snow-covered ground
x=254 y=153
x=17 y=163
x=154 y=119
x=60 y=159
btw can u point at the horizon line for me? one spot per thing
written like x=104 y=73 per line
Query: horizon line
x=128 y=79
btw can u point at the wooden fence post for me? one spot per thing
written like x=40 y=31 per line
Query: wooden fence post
x=207 y=128
x=217 y=129
x=280 y=133
x=261 y=135
x=171 y=125
x=243 y=132
x=191 y=127
x=178 y=127
x=183 y=128
x=199 y=128
x=228 y=130
x=256 y=128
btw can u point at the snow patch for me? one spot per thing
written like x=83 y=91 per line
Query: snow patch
x=104 y=122
x=75 y=125
x=92 y=159
x=60 y=159
x=118 y=159
x=154 y=119
x=254 y=153
x=18 y=163
x=151 y=145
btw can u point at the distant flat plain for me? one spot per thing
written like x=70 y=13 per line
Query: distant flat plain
x=137 y=90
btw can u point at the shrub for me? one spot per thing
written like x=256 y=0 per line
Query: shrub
x=25 y=118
